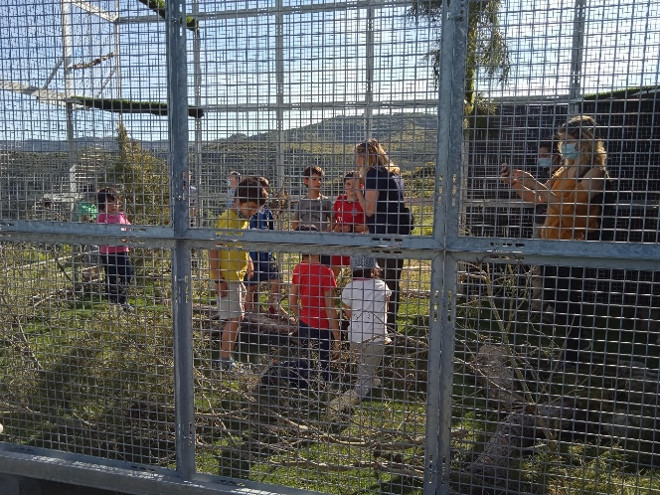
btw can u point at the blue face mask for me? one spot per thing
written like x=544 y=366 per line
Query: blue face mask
x=544 y=162
x=570 y=151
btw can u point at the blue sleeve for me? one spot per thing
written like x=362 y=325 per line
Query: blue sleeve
x=270 y=220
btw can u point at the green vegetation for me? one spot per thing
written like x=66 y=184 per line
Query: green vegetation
x=641 y=91
x=510 y=374
x=83 y=376
x=487 y=50
x=80 y=375
x=144 y=182
x=159 y=6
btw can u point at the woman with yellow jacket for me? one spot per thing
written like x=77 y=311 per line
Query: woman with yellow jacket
x=574 y=213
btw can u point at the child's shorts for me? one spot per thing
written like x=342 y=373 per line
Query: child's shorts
x=264 y=271
x=337 y=260
x=232 y=306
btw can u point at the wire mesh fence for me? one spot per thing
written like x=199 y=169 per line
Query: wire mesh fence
x=246 y=246
x=557 y=355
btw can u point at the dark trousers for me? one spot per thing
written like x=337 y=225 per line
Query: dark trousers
x=391 y=274
x=118 y=275
x=320 y=338
x=564 y=290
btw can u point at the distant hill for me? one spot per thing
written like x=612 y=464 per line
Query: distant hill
x=409 y=137
x=44 y=145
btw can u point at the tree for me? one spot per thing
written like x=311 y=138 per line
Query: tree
x=144 y=180
x=486 y=45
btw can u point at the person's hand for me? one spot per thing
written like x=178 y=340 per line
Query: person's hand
x=221 y=288
x=336 y=350
x=516 y=178
x=525 y=178
x=505 y=173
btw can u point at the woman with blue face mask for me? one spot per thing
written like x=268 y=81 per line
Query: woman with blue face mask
x=569 y=191
x=572 y=213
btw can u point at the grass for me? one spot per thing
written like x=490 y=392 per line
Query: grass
x=81 y=376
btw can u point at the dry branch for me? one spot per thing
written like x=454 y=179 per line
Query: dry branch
x=254 y=323
x=496 y=378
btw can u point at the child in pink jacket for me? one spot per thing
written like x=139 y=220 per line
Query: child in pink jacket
x=117 y=264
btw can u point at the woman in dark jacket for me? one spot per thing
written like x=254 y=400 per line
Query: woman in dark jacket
x=384 y=206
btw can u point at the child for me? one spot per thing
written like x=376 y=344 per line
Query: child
x=313 y=208
x=229 y=267
x=265 y=265
x=116 y=263
x=312 y=302
x=349 y=216
x=87 y=210
x=365 y=301
x=233 y=179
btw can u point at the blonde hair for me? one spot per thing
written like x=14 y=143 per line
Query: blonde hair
x=376 y=155
x=592 y=150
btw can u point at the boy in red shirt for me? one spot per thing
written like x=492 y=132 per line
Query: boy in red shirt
x=312 y=302
x=349 y=216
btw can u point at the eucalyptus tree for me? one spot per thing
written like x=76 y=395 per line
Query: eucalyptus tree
x=486 y=45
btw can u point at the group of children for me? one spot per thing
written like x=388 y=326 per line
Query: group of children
x=311 y=296
x=236 y=275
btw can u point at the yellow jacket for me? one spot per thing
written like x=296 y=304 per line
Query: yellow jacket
x=233 y=263
x=574 y=217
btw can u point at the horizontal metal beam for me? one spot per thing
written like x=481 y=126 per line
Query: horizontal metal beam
x=320 y=105
x=642 y=256
x=122 y=477
x=287 y=10
x=93 y=9
x=251 y=239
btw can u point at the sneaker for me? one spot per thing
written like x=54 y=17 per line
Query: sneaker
x=225 y=364
x=344 y=402
x=128 y=308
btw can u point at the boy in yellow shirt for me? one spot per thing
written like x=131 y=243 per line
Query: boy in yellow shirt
x=228 y=267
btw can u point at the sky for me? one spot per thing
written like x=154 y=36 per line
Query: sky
x=621 y=46
x=323 y=59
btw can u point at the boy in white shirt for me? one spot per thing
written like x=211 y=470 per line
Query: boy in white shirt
x=365 y=301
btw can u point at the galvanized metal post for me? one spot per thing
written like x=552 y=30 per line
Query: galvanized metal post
x=197 y=83
x=279 y=95
x=451 y=90
x=575 y=88
x=369 y=73
x=65 y=6
x=177 y=80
